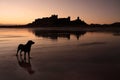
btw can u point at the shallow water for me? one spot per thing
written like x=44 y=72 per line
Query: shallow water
x=60 y=55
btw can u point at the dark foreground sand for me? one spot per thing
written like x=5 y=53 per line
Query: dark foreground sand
x=61 y=63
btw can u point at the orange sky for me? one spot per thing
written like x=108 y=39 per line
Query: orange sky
x=91 y=11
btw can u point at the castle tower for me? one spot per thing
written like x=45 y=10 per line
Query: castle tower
x=78 y=18
x=54 y=16
x=69 y=18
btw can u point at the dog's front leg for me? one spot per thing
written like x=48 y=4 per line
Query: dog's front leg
x=29 y=55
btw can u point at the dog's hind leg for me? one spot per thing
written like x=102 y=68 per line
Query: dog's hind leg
x=18 y=49
x=20 y=52
x=17 y=52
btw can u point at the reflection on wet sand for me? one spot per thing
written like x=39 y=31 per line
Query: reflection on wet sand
x=55 y=34
x=25 y=64
x=116 y=33
x=93 y=43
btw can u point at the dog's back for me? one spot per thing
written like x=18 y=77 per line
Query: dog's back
x=20 y=47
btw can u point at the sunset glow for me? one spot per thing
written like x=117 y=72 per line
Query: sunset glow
x=91 y=11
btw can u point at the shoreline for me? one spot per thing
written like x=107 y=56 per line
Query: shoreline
x=88 y=28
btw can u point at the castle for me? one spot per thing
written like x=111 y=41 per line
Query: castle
x=55 y=21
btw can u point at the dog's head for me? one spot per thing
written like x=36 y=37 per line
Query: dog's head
x=31 y=42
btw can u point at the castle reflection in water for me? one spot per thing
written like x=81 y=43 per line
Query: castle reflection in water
x=55 y=34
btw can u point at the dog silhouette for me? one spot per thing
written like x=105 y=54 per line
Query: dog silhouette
x=26 y=48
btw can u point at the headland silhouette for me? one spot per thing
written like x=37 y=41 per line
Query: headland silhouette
x=54 y=21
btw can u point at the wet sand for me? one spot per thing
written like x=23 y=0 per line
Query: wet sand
x=94 y=59
x=61 y=63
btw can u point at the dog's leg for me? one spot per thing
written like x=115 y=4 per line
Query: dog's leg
x=21 y=53
x=25 y=55
x=29 y=55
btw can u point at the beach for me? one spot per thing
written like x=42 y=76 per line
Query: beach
x=65 y=56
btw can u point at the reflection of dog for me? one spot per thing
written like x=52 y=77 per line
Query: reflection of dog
x=25 y=47
x=25 y=64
